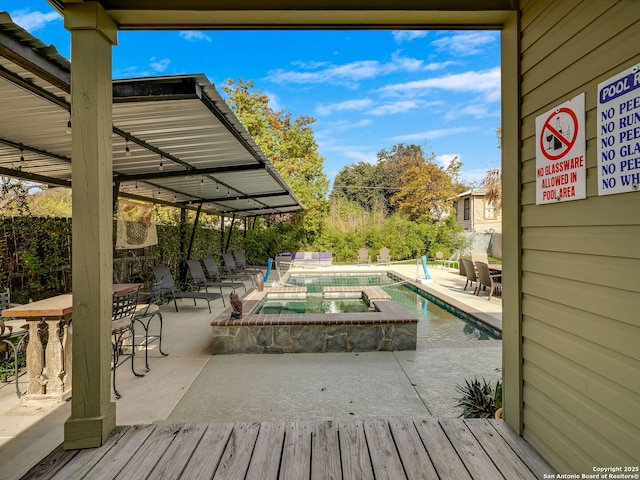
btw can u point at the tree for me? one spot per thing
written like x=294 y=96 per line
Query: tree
x=492 y=181
x=492 y=184
x=14 y=196
x=361 y=183
x=290 y=145
x=418 y=186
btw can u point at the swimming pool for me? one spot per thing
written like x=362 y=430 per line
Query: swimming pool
x=437 y=320
x=312 y=304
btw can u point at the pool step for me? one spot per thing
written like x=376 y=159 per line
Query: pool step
x=372 y=293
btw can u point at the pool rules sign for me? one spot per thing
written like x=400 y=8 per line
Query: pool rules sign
x=560 y=153
x=619 y=133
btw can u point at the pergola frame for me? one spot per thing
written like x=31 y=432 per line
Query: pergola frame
x=94 y=26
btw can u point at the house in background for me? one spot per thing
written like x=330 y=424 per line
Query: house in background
x=476 y=214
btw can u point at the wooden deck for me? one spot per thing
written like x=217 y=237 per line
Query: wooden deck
x=333 y=449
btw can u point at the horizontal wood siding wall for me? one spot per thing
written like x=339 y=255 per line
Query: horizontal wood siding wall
x=580 y=259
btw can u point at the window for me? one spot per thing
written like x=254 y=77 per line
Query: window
x=489 y=210
x=467 y=203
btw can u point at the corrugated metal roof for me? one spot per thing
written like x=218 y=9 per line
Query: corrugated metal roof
x=175 y=140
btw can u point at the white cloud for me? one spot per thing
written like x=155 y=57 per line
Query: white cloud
x=439 y=65
x=466 y=43
x=194 y=36
x=274 y=101
x=397 y=107
x=348 y=74
x=33 y=21
x=349 y=105
x=407 y=35
x=159 y=65
x=433 y=134
x=446 y=159
x=485 y=81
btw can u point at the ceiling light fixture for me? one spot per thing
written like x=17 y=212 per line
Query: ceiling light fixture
x=217 y=187
x=127 y=152
x=161 y=167
x=228 y=192
x=69 y=124
x=21 y=155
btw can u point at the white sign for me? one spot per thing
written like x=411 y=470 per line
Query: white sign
x=560 y=153
x=619 y=133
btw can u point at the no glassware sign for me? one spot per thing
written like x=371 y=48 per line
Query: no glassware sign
x=560 y=153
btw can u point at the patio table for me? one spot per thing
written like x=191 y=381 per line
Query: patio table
x=49 y=367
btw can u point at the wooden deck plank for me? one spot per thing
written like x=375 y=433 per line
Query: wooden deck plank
x=51 y=464
x=149 y=453
x=237 y=454
x=354 y=453
x=296 y=452
x=444 y=457
x=206 y=457
x=529 y=456
x=344 y=449
x=325 y=452
x=265 y=461
x=509 y=464
x=90 y=458
x=176 y=457
x=384 y=455
x=470 y=451
x=414 y=456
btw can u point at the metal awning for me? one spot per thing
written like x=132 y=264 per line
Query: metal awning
x=175 y=141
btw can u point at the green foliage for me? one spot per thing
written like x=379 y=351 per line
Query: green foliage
x=479 y=400
x=290 y=145
x=349 y=227
x=35 y=257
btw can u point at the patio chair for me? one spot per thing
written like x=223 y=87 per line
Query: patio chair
x=123 y=334
x=363 y=256
x=233 y=269
x=453 y=260
x=479 y=257
x=384 y=256
x=169 y=289
x=199 y=279
x=14 y=335
x=470 y=272
x=213 y=272
x=241 y=261
x=143 y=314
x=486 y=279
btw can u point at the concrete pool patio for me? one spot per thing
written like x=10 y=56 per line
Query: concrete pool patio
x=191 y=386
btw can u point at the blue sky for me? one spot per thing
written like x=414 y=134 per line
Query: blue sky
x=367 y=90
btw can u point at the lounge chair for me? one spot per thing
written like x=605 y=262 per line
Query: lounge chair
x=199 y=279
x=241 y=261
x=486 y=279
x=233 y=269
x=146 y=312
x=384 y=256
x=213 y=272
x=470 y=272
x=363 y=256
x=168 y=288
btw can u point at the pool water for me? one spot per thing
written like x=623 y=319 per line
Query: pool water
x=436 y=322
x=313 y=304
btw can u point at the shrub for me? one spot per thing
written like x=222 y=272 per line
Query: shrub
x=479 y=400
